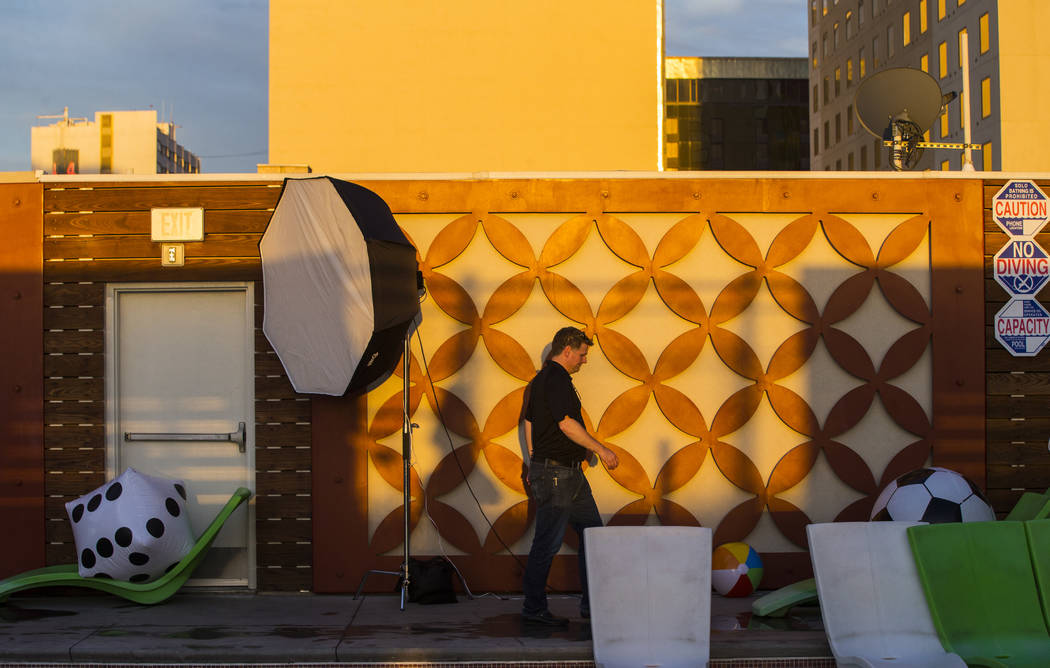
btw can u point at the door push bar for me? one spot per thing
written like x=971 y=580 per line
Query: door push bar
x=232 y=437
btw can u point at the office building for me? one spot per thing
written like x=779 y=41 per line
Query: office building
x=736 y=113
x=850 y=40
x=116 y=142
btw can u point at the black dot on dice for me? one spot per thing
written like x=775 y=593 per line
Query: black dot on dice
x=87 y=558
x=155 y=527
x=94 y=503
x=181 y=490
x=103 y=576
x=78 y=512
x=138 y=558
x=104 y=548
x=173 y=506
x=123 y=536
x=113 y=493
x=139 y=577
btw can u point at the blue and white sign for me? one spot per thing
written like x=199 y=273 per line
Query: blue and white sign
x=1020 y=208
x=1022 y=327
x=1022 y=267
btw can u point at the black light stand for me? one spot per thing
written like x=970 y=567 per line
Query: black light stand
x=406 y=463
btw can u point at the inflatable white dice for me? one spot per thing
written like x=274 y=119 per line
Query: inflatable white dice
x=134 y=528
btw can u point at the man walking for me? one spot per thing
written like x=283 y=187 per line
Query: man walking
x=558 y=444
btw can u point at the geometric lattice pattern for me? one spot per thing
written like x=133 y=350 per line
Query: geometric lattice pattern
x=753 y=372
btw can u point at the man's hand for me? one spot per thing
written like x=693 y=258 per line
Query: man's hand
x=609 y=458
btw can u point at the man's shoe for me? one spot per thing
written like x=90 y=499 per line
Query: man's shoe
x=543 y=618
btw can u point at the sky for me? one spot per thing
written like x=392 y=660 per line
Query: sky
x=203 y=63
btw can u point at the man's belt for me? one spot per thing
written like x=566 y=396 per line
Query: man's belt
x=547 y=461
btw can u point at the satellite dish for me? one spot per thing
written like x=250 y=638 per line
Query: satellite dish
x=899 y=105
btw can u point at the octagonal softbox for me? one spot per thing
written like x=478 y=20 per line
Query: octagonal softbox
x=339 y=285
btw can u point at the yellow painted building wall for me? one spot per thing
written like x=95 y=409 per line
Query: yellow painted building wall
x=469 y=85
x=1025 y=86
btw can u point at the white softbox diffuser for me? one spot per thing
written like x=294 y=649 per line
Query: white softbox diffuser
x=339 y=284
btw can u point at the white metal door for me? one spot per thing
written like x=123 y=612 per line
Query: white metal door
x=180 y=369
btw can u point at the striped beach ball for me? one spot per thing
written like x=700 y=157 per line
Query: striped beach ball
x=736 y=569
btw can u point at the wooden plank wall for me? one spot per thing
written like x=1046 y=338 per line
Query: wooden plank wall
x=1018 y=388
x=21 y=378
x=96 y=233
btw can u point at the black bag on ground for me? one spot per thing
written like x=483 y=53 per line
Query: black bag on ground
x=430 y=581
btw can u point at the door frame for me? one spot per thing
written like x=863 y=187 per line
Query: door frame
x=112 y=314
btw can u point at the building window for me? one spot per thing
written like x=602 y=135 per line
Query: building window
x=944 y=123
x=849 y=120
x=827 y=89
x=941 y=9
x=814 y=55
x=962 y=2
x=923 y=12
x=838 y=165
x=827 y=134
x=986 y=157
x=838 y=81
x=835 y=35
x=849 y=24
x=961 y=33
x=863 y=63
x=815 y=97
x=875 y=53
x=838 y=128
x=906 y=29
x=962 y=102
x=860 y=12
x=816 y=142
x=946 y=166
x=924 y=63
x=942 y=58
x=813 y=12
x=864 y=158
x=825 y=12
x=849 y=72
x=985 y=36
x=986 y=97
x=890 y=42
x=849 y=161
x=824 y=45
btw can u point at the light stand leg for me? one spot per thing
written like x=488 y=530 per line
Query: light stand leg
x=406 y=463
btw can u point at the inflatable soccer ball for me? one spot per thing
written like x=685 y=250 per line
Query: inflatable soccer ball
x=933 y=495
x=736 y=569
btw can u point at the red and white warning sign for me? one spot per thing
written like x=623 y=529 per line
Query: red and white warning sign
x=1020 y=208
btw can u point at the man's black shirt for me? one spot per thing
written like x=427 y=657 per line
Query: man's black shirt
x=552 y=398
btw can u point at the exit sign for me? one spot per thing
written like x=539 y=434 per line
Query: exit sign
x=177 y=224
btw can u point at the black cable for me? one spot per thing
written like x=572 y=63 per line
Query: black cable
x=452 y=449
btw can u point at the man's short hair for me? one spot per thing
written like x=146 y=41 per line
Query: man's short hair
x=569 y=337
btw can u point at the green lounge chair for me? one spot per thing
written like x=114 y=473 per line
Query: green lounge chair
x=1038 y=532
x=146 y=593
x=1031 y=506
x=982 y=593
x=777 y=603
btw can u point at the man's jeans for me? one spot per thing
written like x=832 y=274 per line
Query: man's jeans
x=563 y=497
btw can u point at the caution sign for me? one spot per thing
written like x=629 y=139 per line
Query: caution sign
x=1023 y=327
x=1022 y=267
x=1020 y=208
